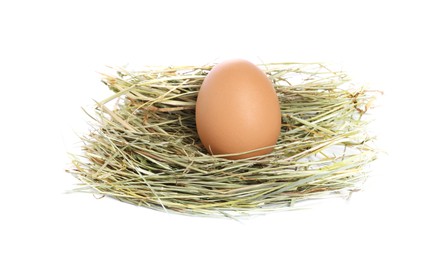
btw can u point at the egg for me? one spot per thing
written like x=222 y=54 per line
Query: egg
x=237 y=111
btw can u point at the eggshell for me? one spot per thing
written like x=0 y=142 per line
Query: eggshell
x=237 y=111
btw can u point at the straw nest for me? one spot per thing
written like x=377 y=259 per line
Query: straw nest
x=143 y=147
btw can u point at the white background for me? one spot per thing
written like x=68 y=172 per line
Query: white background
x=51 y=51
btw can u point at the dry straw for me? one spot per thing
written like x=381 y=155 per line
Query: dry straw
x=144 y=149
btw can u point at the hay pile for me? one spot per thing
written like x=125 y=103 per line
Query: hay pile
x=144 y=148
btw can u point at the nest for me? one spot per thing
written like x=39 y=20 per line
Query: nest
x=144 y=149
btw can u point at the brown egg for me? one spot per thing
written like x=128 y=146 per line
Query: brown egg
x=237 y=111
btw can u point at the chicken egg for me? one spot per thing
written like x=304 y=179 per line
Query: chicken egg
x=237 y=111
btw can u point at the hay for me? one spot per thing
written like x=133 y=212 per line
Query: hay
x=144 y=148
